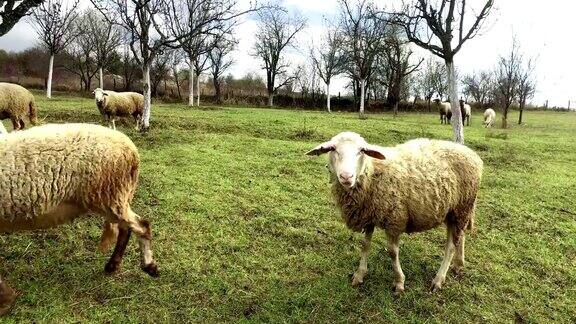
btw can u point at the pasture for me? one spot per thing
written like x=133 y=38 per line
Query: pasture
x=244 y=228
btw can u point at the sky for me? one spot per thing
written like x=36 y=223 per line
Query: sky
x=544 y=32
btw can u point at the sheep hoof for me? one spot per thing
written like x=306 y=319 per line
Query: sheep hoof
x=436 y=285
x=458 y=271
x=397 y=289
x=111 y=267
x=7 y=298
x=151 y=269
x=357 y=279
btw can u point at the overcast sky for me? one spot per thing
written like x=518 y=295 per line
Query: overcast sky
x=544 y=30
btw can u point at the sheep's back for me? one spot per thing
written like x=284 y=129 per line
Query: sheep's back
x=88 y=165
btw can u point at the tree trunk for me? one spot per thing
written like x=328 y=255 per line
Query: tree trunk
x=455 y=104
x=362 y=95
x=521 y=111
x=396 y=109
x=505 y=117
x=198 y=90
x=177 y=81
x=49 y=83
x=191 y=85
x=270 y=99
x=217 y=90
x=328 y=97
x=101 y=76
x=147 y=99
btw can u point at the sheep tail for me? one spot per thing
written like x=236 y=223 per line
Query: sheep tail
x=32 y=113
x=109 y=236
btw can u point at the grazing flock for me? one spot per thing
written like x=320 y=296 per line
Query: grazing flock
x=52 y=174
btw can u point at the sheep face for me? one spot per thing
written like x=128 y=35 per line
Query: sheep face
x=347 y=155
x=99 y=95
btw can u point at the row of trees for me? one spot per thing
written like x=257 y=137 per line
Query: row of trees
x=366 y=44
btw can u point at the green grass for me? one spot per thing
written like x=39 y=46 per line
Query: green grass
x=245 y=230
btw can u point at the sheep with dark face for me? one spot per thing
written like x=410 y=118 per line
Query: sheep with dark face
x=113 y=104
x=412 y=187
x=466 y=112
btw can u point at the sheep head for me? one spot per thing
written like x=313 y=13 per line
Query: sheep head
x=99 y=95
x=347 y=155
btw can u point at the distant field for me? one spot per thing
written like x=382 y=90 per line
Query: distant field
x=244 y=227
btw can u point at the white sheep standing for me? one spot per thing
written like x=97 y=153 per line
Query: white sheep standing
x=445 y=111
x=52 y=174
x=113 y=104
x=412 y=187
x=15 y=103
x=489 y=117
x=466 y=112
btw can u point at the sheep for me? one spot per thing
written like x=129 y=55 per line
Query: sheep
x=15 y=103
x=113 y=104
x=445 y=111
x=466 y=112
x=52 y=174
x=489 y=117
x=412 y=187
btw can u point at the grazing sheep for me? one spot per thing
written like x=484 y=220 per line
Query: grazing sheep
x=113 y=104
x=15 y=103
x=444 y=110
x=466 y=112
x=489 y=117
x=412 y=187
x=53 y=174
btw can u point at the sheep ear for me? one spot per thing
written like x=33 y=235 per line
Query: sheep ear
x=374 y=151
x=322 y=148
x=105 y=94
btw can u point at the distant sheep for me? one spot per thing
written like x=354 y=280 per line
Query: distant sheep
x=15 y=103
x=445 y=111
x=489 y=117
x=53 y=174
x=113 y=104
x=412 y=187
x=466 y=111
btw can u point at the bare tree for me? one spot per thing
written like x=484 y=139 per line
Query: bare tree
x=432 y=80
x=478 y=86
x=159 y=70
x=276 y=32
x=81 y=60
x=526 y=86
x=191 y=22
x=434 y=25
x=328 y=59
x=363 y=38
x=507 y=80
x=11 y=11
x=176 y=60
x=397 y=66
x=105 y=37
x=54 y=24
x=220 y=61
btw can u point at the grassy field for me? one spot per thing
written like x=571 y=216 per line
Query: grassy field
x=245 y=230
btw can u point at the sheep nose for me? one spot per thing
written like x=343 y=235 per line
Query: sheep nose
x=346 y=176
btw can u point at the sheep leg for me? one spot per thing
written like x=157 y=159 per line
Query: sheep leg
x=358 y=277
x=142 y=229
x=448 y=254
x=113 y=124
x=459 y=256
x=118 y=254
x=394 y=253
x=7 y=297
x=15 y=123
